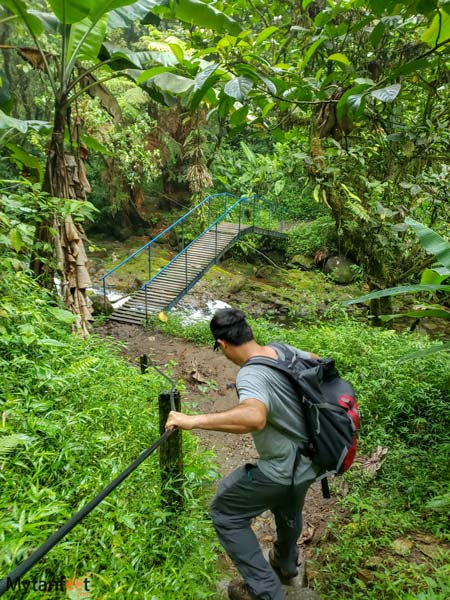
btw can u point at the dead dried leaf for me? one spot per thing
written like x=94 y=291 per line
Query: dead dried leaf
x=365 y=575
x=374 y=561
x=430 y=550
x=372 y=464
x=425 y=538
x=198 y=377
x=307 y=534
x=402 y=546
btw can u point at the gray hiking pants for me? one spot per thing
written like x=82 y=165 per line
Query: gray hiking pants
x=243 y=495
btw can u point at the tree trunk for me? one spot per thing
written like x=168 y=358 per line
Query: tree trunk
x=65 y=178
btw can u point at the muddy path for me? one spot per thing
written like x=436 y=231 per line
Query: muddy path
x=209 y=380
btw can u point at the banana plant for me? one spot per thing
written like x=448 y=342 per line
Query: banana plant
x=432 y=280
x=79 y=67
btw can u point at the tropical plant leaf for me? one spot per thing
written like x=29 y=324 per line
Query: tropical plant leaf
x=239 y=117
x=396 y=291
x=439 y=30
x=71 y=11
x=7 y=122
x=62 y=315
x=205 y=15
x=202 y=77
x=169 y=82
x=435 y=276
x=93 y=41
x=126 y=58
x=177 y=51
x=249 y=154
x=265 y=34
x=339 y=58
x=93 y=144
x=445 y=347
x=149 y=73
x=309 y=53
x=23 y=158
x=50 y=22
x=387 y=94
x=420 y=313
x=432 y=242
x=101 y=7
x=19 y=8
x=138 y=11
x=238 y=87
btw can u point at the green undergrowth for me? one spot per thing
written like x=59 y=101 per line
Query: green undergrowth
x=390 y=539
x=109 y=254
x=75 y=415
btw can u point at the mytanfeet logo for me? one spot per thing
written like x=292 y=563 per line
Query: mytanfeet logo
x=75 y=587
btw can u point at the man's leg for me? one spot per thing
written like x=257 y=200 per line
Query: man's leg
x=243 y=495
x=289 y=523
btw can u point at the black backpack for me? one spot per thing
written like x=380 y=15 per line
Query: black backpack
x=329 y=406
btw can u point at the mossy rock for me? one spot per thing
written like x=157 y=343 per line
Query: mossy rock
x=101 y=305
x=302 y=261
x=339 y=268
x=236 y=285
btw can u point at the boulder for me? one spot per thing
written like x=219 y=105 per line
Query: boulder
x=101 y=305
x=302 y=262
x=339 y=268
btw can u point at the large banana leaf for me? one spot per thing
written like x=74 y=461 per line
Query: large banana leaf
x=426 y=352
x=19 y=8
x=432 y=242
x=7 y=122
x=126 y=58
x=101 y=7
x=396 y=291
x=139 y=11
x=421 y=312
x=72 y=11
x=95 y=35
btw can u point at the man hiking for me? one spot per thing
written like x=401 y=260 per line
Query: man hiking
x=268 y=409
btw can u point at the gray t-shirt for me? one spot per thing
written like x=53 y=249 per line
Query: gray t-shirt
x=285 y=429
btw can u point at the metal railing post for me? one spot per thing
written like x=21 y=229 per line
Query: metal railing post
x=145 y=302
x=182 y=235
x=240 y=216
x=149 y=263
x=186 y=267
x=216 y=242
x=209 y=211
x=104 y=294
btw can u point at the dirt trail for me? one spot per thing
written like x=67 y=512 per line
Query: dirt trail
x=209 y=380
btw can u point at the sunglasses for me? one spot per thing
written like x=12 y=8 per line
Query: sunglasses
x=216 y=346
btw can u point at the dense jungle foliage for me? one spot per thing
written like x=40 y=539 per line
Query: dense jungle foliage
x=117 y=117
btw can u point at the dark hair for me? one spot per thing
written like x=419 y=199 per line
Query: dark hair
x=229 y=324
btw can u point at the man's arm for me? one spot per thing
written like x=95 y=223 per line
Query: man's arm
x=248 y=416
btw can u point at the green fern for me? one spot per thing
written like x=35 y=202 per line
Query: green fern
x=81 y=366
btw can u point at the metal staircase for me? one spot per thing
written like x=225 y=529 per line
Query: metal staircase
x=229 y=217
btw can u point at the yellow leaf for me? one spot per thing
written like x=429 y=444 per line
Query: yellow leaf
x=163 y=317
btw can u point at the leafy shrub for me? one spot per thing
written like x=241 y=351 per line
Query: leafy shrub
x=80 y=415
x=309 y=237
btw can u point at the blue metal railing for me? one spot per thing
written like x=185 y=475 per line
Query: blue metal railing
x=254 y=210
